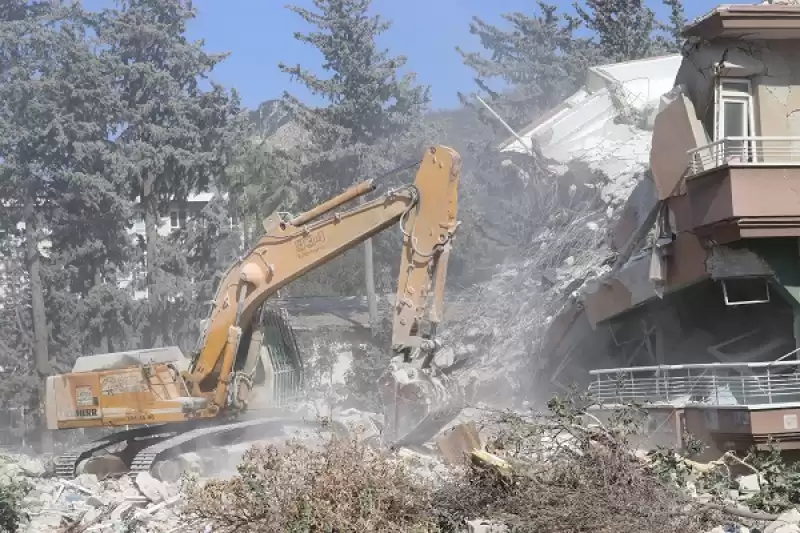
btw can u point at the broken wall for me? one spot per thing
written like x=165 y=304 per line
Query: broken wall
x=772 y=66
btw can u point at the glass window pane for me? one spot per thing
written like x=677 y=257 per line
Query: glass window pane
x=735 y=87
x=736 y=123
x=735 y=115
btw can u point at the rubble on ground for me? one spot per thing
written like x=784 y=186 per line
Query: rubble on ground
x=107 y=506
x=117 y=504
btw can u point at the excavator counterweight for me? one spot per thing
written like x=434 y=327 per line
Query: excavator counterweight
x=173 y=402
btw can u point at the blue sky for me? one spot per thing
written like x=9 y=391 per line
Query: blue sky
x=259 y=35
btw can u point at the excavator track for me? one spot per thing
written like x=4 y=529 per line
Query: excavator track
x=67 y=463
x=149 y=456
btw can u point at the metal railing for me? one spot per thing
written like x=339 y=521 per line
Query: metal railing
x=776 y=382
x=745 y=151
x=284 y=353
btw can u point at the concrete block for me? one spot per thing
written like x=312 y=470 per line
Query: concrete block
x=459 y=441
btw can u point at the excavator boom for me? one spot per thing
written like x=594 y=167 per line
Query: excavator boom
x=218 y=379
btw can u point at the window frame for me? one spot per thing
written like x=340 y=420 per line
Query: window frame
x=745 y=96
x=178 y=219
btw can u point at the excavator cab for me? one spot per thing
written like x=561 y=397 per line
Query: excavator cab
x=270 y=358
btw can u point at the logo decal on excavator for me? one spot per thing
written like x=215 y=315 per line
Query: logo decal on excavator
x=309 y=244
x=84 y=396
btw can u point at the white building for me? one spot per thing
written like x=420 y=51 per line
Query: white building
x=177 y=216
x=587 y=128
x=583 y=116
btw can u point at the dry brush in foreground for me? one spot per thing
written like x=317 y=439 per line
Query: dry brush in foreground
x=344 y=487
x=562 y=477
x=567 y=478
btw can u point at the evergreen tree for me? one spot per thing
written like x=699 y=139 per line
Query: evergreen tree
x=88 y=230
x=176 y=137
x=369 y=100
x=628 y=29
x=373 y=120
x=27 y=47
x=259 y=182
x=57 y=177
x=623 y=28
x=193 y=260
x=537 y=61
x=677 y=22
x=50 y=125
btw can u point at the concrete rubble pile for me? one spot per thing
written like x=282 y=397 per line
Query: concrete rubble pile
x=142 y=503
x=92 y=505
x=514 y=309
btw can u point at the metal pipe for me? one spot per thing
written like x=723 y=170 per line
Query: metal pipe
x=505 y=124
x=359 y=189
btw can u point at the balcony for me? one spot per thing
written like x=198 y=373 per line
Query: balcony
x=744 y=187
x=745 y=151
x=713 y=384
x=728 y=406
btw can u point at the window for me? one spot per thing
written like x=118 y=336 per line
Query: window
x=177 y=219
x=735 y=119
x=138 y=223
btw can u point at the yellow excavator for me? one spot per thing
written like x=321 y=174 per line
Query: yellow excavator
x=166 y=404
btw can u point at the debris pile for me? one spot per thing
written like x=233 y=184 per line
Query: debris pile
x=552 y=473
x=542 y=473
x=570 y=252
x=89 y=504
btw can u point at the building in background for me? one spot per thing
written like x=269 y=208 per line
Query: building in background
x=177 y=216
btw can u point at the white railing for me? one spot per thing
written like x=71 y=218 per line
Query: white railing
x=775 y=382
x=745 y=151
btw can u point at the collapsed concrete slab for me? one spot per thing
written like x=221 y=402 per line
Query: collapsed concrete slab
x=693 y=256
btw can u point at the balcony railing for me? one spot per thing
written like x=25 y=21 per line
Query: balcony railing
x=745 y=151
x=700 y=384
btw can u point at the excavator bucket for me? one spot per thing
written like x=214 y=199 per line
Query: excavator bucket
x=418 y=403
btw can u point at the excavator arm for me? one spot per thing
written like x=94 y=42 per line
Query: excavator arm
x=289 y=248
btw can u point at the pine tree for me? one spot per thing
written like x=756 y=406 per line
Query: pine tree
x=677 y=21
x=192 y=259
x=373 y=119
x=259 y=182
x=628 y=29
x=537 y=61
x=176 y=137
x=40 y=127
x=57 y=177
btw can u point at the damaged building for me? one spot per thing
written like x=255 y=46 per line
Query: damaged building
x=702 y=304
